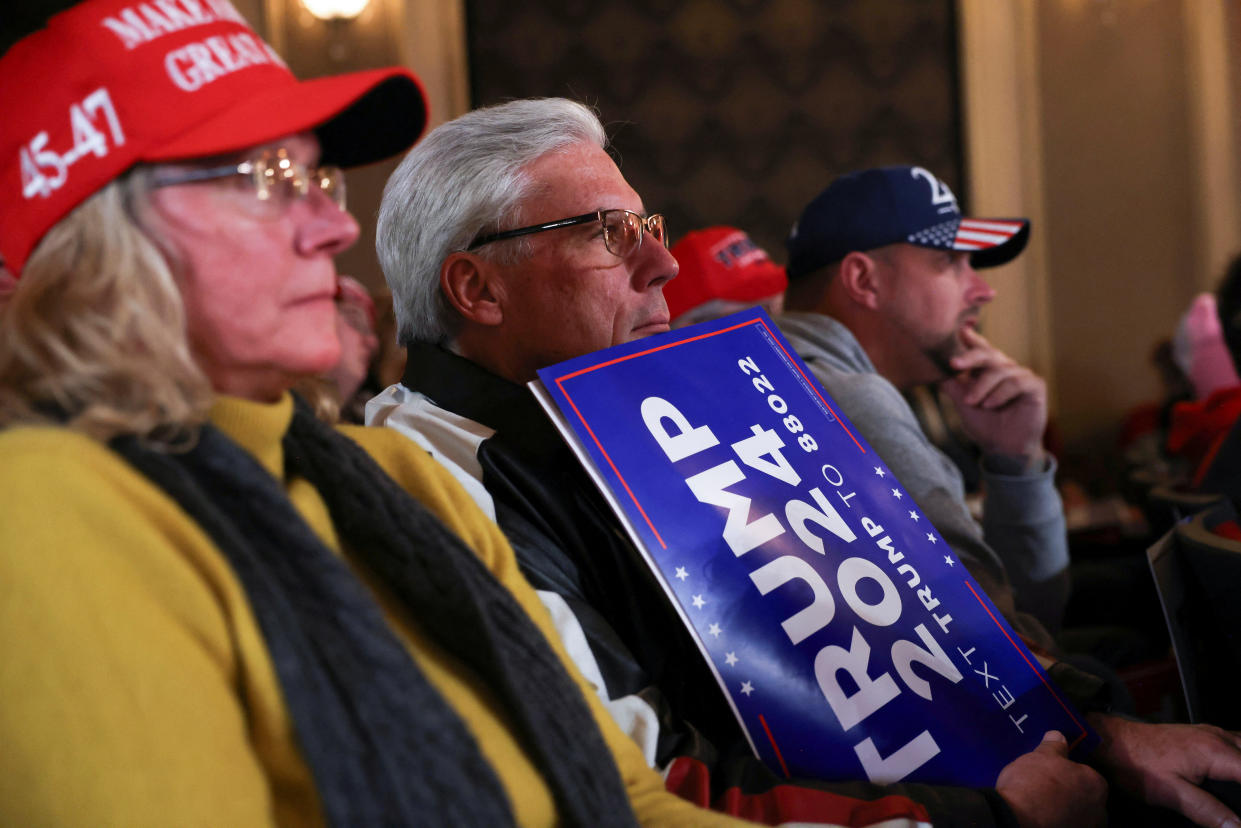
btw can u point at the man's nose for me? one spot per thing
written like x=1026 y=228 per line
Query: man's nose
x=980 y=290
x=655 y=266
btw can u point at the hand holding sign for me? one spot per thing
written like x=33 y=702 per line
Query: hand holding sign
x=1046 y=788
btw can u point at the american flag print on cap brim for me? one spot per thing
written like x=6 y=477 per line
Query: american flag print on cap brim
x=967 y=234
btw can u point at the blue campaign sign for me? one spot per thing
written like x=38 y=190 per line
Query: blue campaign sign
x=849 y=640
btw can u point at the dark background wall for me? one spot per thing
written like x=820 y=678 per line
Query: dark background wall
x=736 y=111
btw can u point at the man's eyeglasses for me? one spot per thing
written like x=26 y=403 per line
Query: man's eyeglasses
x=622 y=230
x=274 y=177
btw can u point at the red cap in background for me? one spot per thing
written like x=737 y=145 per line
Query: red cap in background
x=721 y=263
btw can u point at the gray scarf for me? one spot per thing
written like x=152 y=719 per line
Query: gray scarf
x=384 y=747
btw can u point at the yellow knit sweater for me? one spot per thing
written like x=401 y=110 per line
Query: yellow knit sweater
x=135 y=686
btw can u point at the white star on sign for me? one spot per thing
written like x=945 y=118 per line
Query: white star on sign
x=698 y=602
x=879 y=471
x=931 y=538
x=896 y=493
x=914 y=515
x=681 y=573
x=948 y=560
x=730 y=659
x=747 y=688
x=715 y=630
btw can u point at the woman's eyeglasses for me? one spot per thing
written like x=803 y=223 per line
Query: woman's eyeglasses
x=274 y=176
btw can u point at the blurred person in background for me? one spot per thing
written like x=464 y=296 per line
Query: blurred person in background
x=722 y=271
x=1203 y=348
x=390 y=363
x=1200 y=349
x=1202 y=355
x=359 y=347
x=1206 y=432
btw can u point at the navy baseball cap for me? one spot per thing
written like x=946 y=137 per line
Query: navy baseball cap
x=877 y=207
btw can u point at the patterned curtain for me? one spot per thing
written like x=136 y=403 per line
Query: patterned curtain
x=736 y=111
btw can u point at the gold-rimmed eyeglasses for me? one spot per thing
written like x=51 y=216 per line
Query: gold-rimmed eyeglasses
x=623 y=230
x=274 y=176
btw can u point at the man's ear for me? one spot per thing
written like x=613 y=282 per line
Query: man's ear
x=860 y=280
x=471 y=285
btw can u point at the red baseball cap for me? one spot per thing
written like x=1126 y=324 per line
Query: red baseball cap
x=721 y=263
x=111 y=83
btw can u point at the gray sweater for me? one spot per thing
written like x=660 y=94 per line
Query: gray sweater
x=1019 y=555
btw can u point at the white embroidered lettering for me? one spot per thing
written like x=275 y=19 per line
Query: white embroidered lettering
x=44 y=170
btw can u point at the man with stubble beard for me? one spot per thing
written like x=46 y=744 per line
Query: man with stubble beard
x=884 y=295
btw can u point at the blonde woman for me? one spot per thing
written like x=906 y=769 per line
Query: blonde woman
x=215 y=610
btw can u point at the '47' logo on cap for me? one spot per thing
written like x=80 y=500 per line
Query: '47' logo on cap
x=44 y=170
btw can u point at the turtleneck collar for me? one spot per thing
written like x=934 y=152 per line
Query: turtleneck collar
x=257 y=427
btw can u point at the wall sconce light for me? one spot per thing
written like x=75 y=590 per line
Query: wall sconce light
x=335 y=9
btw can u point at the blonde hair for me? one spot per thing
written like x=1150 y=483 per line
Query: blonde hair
x=94 y=336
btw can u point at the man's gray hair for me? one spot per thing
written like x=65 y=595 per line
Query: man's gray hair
x=465 y=178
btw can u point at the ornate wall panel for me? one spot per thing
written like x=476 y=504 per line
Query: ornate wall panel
x=736 y=111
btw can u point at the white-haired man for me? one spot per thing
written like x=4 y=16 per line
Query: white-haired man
x=511 y=241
